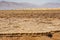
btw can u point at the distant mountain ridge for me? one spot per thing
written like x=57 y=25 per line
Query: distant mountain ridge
x=13 y=5
x=4 y=5
x=51 y=5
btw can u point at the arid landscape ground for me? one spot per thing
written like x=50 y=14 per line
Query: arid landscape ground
x=44 y=23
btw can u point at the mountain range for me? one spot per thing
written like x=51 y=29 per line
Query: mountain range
x=51 y=5
x=4 y=5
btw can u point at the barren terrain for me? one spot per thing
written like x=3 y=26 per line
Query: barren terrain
x=30 y=21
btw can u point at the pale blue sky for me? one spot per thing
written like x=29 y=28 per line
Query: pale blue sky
x=34 y=1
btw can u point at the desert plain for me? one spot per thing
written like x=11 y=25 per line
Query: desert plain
x=30 y=24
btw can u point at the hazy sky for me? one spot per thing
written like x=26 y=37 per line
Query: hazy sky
x=34 y=1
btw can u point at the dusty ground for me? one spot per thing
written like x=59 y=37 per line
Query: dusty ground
x=30 y=22
x=55 y=36
x=28 y=25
